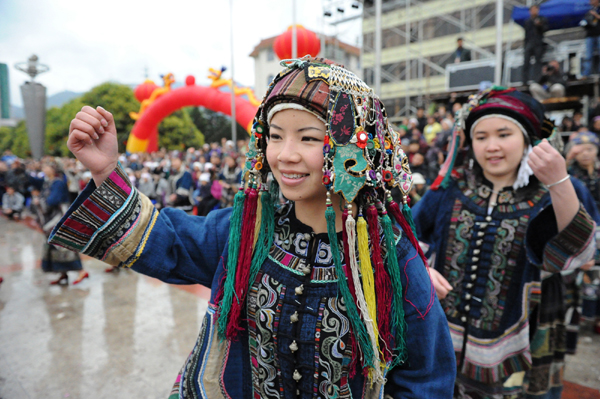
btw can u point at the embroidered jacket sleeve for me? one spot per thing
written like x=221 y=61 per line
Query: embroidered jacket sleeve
x=120 y=226
x=554 y=252
x=430 y=369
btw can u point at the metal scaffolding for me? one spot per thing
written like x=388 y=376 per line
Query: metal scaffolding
x=418 y=39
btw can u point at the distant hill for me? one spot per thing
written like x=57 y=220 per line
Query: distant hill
x=55 y=100
x=59 y=99
x=17 y=112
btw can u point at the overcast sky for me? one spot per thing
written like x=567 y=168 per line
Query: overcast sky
x=88 y=43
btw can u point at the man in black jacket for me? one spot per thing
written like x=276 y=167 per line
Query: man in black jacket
x=551 y=83
x=592 y=36
x=535 y=27
x=461 y=54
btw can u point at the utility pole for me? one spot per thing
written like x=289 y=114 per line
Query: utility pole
x=233 y=121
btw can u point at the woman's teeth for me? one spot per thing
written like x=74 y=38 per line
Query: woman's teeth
x=294 y=176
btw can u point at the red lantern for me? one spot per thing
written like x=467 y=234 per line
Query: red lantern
x=307 y=43
x=144 y=91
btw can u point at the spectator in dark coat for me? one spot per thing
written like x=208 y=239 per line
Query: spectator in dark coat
x=592 y=37
x=535 y=27
x=461 y=54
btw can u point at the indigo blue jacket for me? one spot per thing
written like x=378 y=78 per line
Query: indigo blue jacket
x=117 y=224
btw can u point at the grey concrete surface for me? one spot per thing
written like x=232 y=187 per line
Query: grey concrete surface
x=118 y=335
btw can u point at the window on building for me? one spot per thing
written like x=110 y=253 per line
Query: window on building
x=270 y=56
x=270 y=79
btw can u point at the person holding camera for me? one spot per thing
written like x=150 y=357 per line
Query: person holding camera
x=592 y=37
x=551 y=84
x=535 y=27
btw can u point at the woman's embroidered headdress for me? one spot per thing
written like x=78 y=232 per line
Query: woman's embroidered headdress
x=525 y=111
x=363 y=160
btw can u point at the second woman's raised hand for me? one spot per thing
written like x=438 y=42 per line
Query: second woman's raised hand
x=547 y=163
x=93 y=140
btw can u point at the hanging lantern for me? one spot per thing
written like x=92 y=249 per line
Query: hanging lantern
x=144 y=91
x=307 y=43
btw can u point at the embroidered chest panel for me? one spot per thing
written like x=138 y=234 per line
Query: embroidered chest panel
x=298 y=343
x=480 y=262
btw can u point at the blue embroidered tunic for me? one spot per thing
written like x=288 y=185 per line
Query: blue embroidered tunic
x=495 y=257
x=296 y=337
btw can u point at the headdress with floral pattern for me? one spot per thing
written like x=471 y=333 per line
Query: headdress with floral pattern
x=363 y=160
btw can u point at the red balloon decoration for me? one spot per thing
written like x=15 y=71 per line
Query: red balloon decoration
x=307 y=43
x=144 y=91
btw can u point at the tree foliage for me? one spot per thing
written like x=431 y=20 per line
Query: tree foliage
x=15 y=139
x=177 y=131
x=214 y=125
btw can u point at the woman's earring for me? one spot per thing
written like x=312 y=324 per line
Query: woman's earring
x=471 y=164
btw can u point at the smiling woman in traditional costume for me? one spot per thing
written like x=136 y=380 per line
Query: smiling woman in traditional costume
x=503 y=227
x=323 y=297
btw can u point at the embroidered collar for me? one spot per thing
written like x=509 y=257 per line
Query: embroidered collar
x=295 y=245
x=479 y=189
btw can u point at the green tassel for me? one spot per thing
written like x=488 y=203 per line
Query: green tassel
x=407 y=212
x=265 y=238
x=235 y=233
x=398 y=323
x=360 y=331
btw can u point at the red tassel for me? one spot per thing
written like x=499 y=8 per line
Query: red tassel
x=383 y=285
x=244 y=262
x=395 y=209
x=436 y=183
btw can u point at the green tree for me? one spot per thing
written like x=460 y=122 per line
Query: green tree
x=57 y=127
x=15 y=139
x=120 y=101
x=114 y=97
x=178 y=132
x=214 y=125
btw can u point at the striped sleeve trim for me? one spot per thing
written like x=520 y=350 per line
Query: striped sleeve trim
x=102 y=219
x=573 y=246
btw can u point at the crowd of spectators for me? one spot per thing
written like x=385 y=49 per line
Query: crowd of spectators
x=203 y=179
x=195 y=180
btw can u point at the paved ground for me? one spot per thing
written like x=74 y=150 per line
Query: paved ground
x=123 y=335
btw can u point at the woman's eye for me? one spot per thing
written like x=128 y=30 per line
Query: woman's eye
x=308 y=138
x=275 y=136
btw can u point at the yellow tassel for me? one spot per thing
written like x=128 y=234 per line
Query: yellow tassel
x=367 y=275
x=375 y=374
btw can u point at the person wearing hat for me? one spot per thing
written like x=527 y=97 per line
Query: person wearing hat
x=503 y=226
x=326 y=296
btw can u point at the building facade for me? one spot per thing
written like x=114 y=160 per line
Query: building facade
x=266 y=62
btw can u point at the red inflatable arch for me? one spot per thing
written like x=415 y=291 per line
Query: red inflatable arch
x=144 y=135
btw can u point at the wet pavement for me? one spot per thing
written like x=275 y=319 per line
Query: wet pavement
x=122 y=335
x=117 y=335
